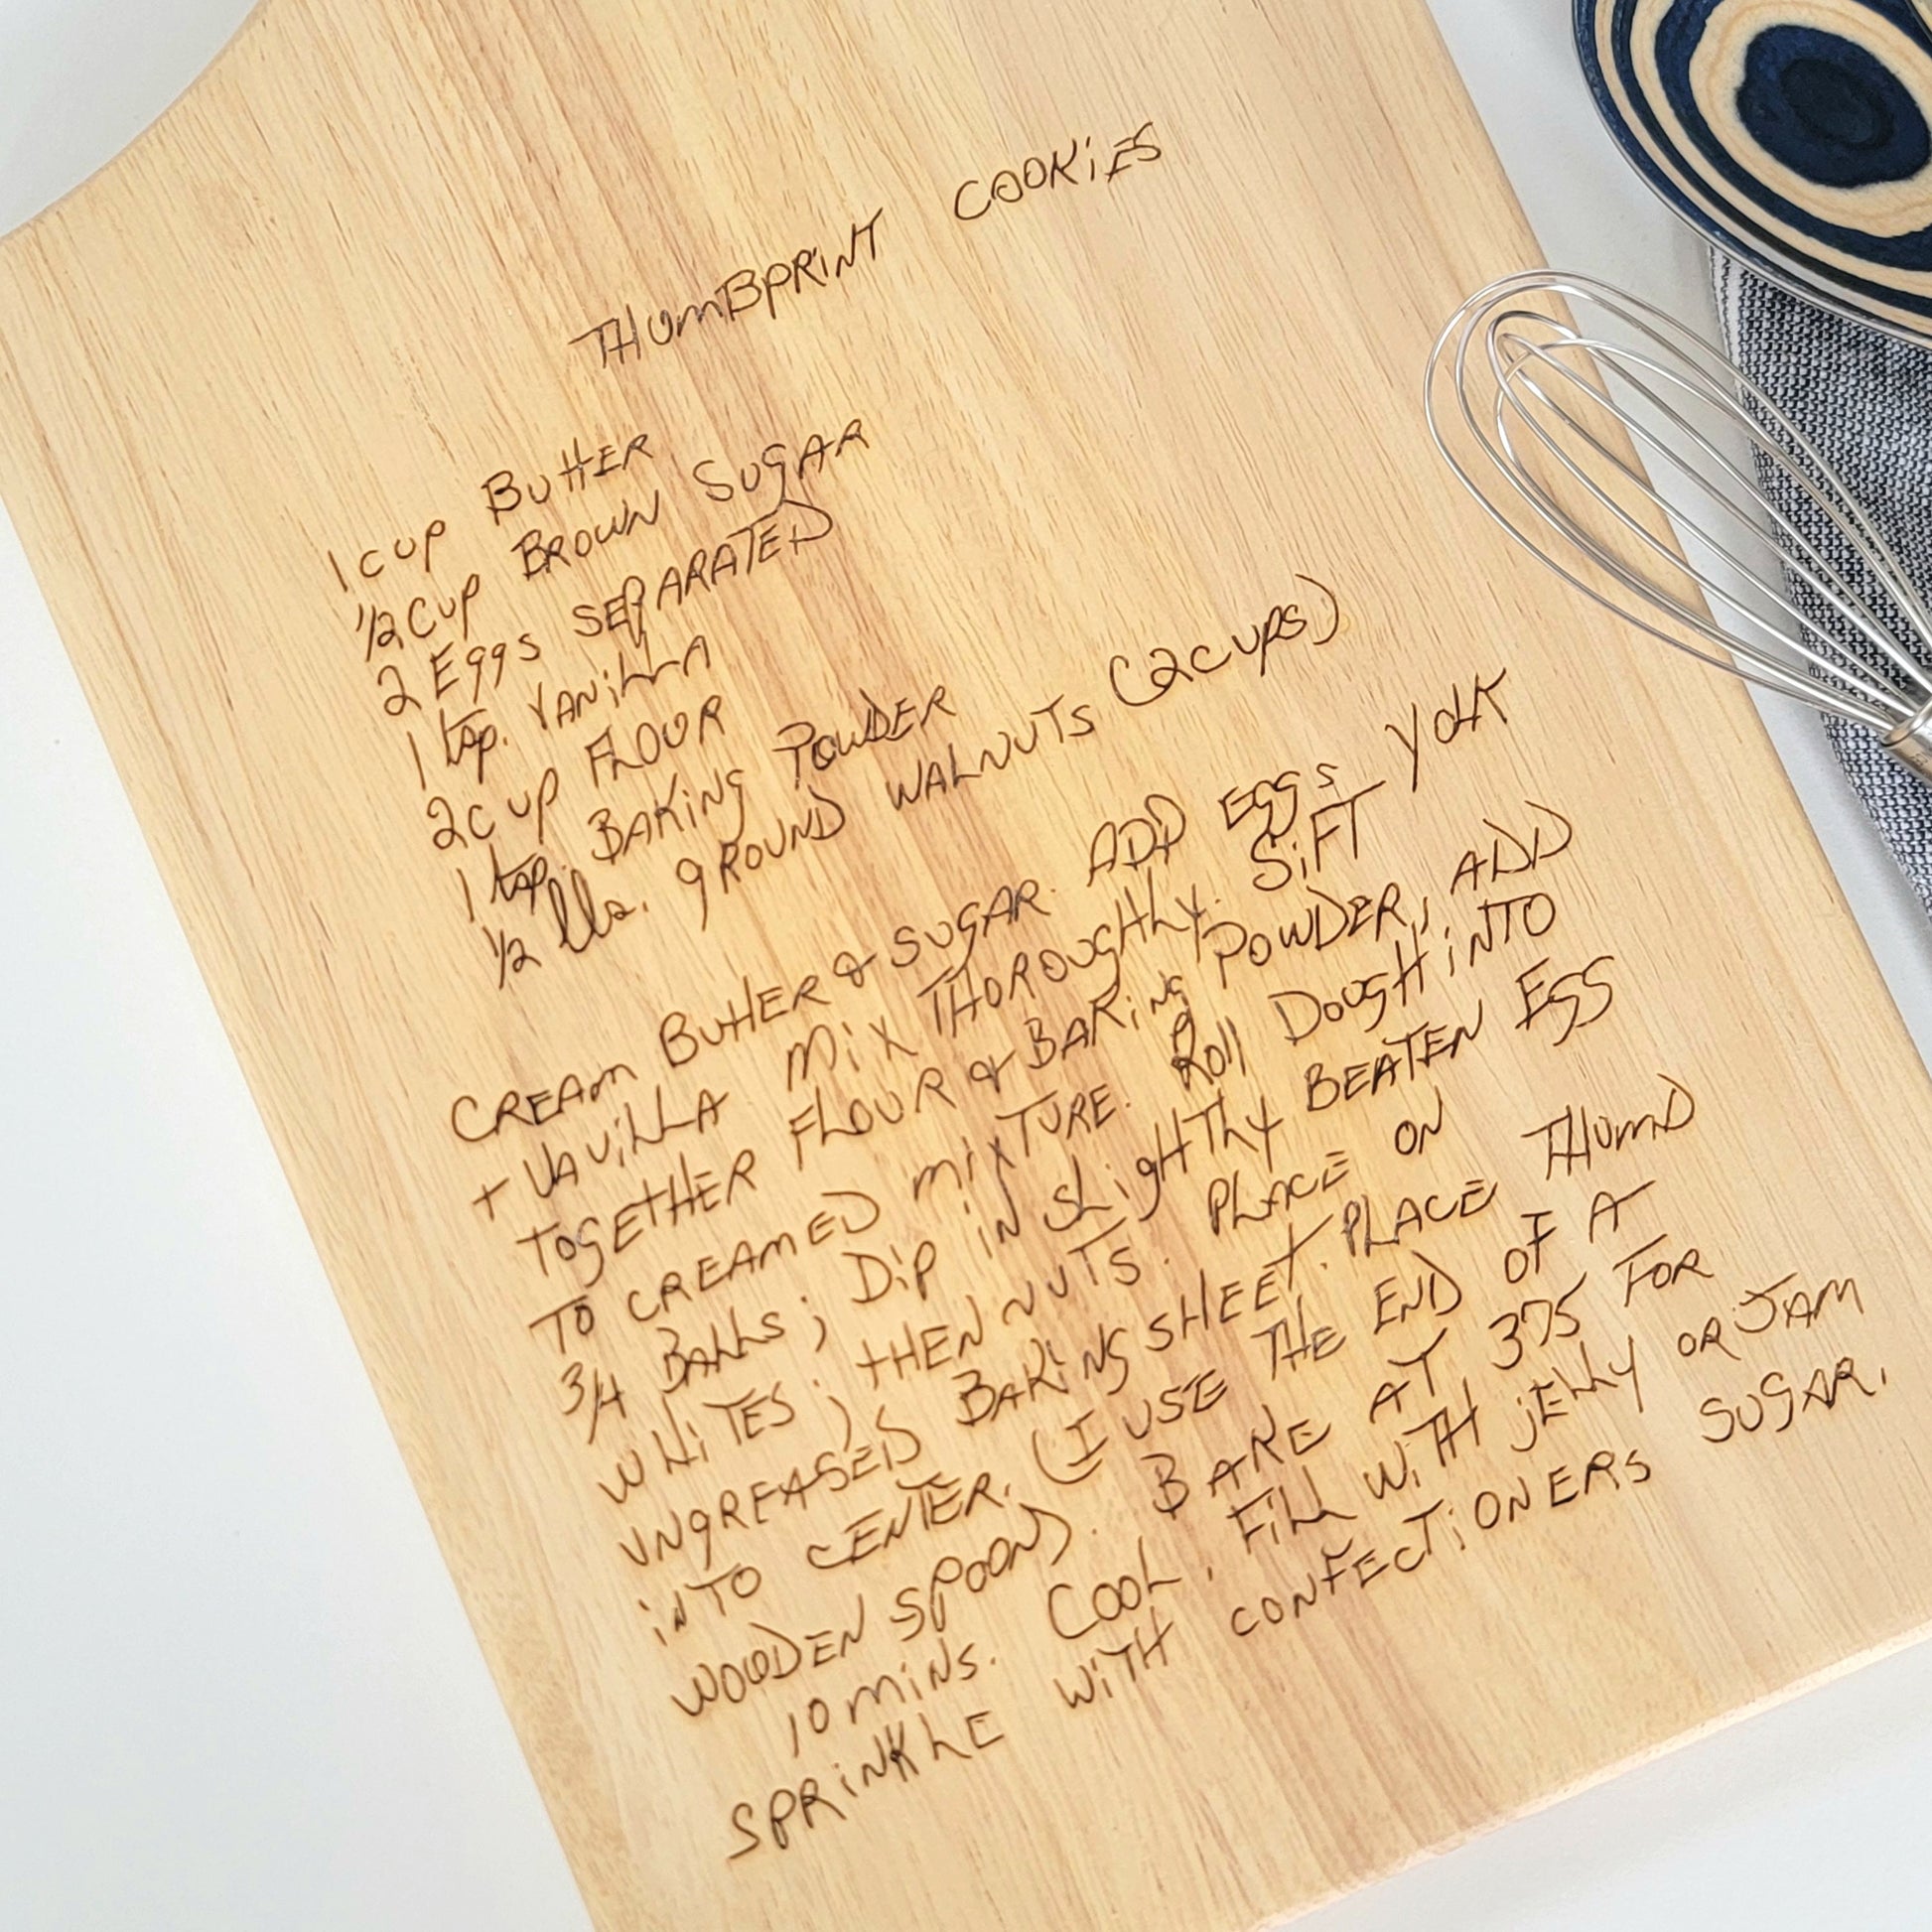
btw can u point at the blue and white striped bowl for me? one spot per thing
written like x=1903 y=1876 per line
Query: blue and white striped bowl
x=1796 y=134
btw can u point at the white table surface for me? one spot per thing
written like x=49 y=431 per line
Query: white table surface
x=237 y=1693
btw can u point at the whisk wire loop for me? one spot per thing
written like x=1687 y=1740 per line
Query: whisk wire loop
x=1801 y=553
x=1817 y=571
x=1651 y=473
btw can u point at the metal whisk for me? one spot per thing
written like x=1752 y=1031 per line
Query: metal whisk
x=1589 y=422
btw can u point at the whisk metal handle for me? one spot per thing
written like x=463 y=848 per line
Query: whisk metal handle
x=1912 y=742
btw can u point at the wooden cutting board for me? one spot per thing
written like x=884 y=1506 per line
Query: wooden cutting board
x=1098 y=1177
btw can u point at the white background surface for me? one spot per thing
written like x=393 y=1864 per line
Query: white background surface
x=236 y=1689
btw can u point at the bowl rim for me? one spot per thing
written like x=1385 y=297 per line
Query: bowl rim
x=1783 y=269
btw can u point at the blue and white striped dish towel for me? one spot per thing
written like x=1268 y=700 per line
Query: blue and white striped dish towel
x=1864 y=400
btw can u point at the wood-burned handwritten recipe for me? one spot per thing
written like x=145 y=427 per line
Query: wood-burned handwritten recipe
x=1086 y=1199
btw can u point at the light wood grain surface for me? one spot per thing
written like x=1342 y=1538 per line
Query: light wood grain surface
x=1219 y=1192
